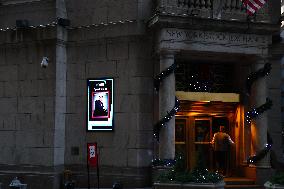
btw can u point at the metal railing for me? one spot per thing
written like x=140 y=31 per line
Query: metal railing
x=219 y=9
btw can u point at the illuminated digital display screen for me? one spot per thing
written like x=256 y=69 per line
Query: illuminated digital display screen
x=100 y=104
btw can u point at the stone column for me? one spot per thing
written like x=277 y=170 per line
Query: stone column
x=166 y=103
x=259 y=93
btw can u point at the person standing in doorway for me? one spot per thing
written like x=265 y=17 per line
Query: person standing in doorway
x=221 y=143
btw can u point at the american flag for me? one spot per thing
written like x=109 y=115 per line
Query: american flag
x=253 y=5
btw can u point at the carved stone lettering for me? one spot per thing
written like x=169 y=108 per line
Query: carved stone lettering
x=214 y=37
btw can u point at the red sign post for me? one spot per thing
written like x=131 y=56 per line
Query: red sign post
x=92 y=154
x=92 y=160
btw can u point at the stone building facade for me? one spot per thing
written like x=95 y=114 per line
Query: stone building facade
x=43 y=110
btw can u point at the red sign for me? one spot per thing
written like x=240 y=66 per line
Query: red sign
x=92 y=154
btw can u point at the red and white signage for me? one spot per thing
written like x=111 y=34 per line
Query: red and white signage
x=92 y=154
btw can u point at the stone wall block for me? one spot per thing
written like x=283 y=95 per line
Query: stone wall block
x=7 y=138
x=31 y=138
x=97 y=52
x=141 y=85
x=116 y=10
x=125 y=128
x=8 y=73
x=141 y=67
x=104 y=140
x=49 y=105
x=75 y=138
x=145 y=103
x=145 y=139
x=124 y=68
x=38 y=156
x=47 y=139
x=117 y=50
x=76 y=71
x=46 y=88
x=101 y=69
x=45 y=121
x=145 y=121
x=126 y=103
x=273 y=123
x=98 y=14
x=11 y=89
x=2 y=56
x=273 y=80
x=34 y=121
x=275 y=96
x=130 y=9
x=139 y=157
x=122 y=85
x=14 y=55
x=40 y=121
x=145 y=9
x=23 y=121
x=7 y=155
x=107 y=156
x=8 y=105
x=27 y=71
x=8 y=122
x=37 y=13
x=76 y=88
x=140 y=48
x=76 y=121
x=30 y=105
x=74 y=53
x=27 y=88
x=2 y=84
x=277 y=140
x=76 y=105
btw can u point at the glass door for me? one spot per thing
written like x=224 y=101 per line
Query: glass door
x=181 y=139
x=202 y=137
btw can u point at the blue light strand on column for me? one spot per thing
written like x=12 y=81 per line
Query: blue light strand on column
x=256 y=75
x=157 y=81
x=262 y=153
x=255 y=112
x=161 y=76
x=162 y=122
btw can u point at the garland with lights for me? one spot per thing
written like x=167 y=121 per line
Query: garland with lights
x=162 y=122
x=262 y=153
x=161 y=76
x=163 y=162
x=255 y=75
x=259 y=110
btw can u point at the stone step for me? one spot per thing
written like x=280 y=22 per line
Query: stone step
x=239 y=181
x=244 y=186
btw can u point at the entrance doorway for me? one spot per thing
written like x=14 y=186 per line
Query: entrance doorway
x=196 y=124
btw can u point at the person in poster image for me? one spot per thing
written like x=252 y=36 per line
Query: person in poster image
x=99 y=109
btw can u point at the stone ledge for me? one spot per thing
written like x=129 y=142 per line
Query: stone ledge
x=219 y=185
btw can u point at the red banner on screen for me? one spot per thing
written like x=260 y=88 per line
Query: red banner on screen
x=92 y=154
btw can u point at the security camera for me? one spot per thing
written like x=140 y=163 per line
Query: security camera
x=44 y=62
